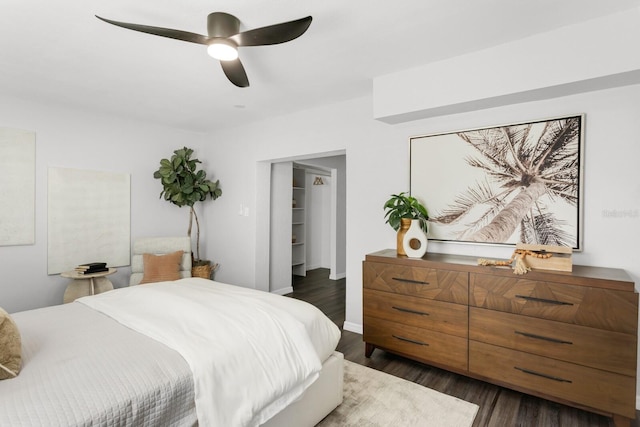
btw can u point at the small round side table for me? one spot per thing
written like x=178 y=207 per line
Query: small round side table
x=82 y=285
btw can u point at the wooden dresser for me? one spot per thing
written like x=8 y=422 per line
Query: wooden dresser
x=566 y=337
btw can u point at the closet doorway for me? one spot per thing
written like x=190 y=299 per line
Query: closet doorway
x=293 y=237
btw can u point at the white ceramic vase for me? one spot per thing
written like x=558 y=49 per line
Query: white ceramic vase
x=415 y=241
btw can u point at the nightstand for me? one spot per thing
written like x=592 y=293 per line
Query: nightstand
x=86 y=284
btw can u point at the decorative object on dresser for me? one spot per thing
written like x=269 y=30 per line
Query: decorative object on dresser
x=400 y=210
x=503 y=184
x=541 y=257
x=184 y=185
x=567 y=337
x=405 y=223
x=414 y=240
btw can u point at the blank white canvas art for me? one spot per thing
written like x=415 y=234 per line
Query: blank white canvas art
x=88 y=218
x=18 y=189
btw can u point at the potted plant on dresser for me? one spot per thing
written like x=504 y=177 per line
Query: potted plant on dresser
x=408 y=217
x=184 y=185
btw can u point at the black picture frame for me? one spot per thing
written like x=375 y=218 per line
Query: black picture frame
x=503 y=184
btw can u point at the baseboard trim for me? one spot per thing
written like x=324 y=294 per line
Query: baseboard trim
x=637 y=402
x=352 y=327
x=337 y=276
x=283 y=291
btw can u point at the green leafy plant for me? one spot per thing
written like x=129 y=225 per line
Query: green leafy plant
x=403 y=206
x=184 y=185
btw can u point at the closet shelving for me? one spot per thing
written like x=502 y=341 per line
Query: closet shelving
x=298 y=216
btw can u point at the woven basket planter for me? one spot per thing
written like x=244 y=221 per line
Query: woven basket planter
x=204 y=271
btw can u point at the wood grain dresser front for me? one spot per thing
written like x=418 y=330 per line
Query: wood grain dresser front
x=566 y=337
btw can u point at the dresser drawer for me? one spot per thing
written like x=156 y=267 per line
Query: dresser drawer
x=607 y=309
x=438 y=316
x=428 y=283
x=417 y=343
x=594 y=388
x=610 y=351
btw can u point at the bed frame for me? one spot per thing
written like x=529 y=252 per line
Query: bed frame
x=322 y=397
x=159 y=246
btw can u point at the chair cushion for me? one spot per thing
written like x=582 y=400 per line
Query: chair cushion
x=10 y=347
x=161 y=268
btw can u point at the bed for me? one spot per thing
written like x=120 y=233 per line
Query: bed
x=177 y=353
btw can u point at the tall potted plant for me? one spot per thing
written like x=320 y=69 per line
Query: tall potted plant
x=400 y=210
x=184 y=185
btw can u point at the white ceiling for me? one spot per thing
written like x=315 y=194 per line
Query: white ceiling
x=57 y=52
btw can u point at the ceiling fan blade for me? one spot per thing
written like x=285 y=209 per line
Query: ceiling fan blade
x=273 y=34
x=159 y=31
x=235 y=72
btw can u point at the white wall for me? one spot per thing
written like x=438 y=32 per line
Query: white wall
x=339 y=164
x=591 y=55
x=318 y=233
x=79 y=140
x=281 y=217
x=348 y=126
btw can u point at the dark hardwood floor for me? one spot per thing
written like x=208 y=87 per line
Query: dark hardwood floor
x=499 y=407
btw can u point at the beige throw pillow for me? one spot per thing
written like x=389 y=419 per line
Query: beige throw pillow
x=161 y=268
x=10 y=347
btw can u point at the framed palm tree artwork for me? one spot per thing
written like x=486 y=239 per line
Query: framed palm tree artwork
x=503 y=184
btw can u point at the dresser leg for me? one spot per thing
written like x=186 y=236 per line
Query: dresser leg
x=620 y=421
x=368 y=349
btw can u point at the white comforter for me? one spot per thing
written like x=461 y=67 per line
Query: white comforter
x=81 y=368
x=247 y=365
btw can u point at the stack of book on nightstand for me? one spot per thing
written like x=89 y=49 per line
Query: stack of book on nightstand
x=92 y=267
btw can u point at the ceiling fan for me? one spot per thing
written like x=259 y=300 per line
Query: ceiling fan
x=224 y=38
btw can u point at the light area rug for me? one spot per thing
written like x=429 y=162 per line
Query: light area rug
x=374 y=398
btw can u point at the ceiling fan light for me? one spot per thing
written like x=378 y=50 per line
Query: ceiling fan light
x=223 y=50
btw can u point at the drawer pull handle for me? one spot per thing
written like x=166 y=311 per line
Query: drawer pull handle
x=407 y=310
x=419 y=282
x=550 y=301
x=410 y=340
x=540 y=337
x=550 y=377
